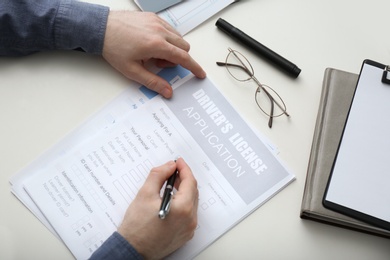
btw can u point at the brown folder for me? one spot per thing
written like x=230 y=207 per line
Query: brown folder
x=336 y=97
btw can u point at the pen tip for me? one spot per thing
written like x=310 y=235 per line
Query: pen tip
x=161 y=214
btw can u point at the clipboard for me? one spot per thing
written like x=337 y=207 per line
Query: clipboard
x=359 y=184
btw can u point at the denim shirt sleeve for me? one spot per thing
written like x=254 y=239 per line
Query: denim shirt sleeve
x=28 y=26
x=116 y=247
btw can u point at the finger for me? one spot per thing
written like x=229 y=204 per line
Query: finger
x=164 y=64
x=193 y=66
x=188 y=184
x=174 y=38
x=187 y=195
x=178 y=41
x=157 y=177
x=168 y=26
x=171 y=34
x=178 y=56
x=150 y=80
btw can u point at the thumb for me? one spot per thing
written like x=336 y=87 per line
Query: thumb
x=158 y=176
x=151 y=81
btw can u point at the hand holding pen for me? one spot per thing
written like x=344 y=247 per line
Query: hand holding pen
x=167 y=196
x=141 y=226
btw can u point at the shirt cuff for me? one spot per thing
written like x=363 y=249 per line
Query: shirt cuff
x=80 y=25
x=116 y=247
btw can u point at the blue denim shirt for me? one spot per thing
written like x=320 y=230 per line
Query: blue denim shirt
x=116 y=248
x=28 y=26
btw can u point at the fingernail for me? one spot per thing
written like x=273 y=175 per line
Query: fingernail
x=166 y=92
x=172 y=164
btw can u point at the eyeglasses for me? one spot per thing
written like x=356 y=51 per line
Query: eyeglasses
x=266 y=98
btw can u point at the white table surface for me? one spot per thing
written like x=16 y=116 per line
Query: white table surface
x=46 y=95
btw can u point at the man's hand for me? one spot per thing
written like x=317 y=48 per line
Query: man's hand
x=155 y=238
x=133 y=38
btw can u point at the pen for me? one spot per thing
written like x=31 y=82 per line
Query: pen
x=167 y=196
x=259 y=48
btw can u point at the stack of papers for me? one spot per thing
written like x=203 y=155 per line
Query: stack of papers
x=186 y=15
x=81 y=188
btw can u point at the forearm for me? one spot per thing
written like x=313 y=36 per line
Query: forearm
x=38 y=25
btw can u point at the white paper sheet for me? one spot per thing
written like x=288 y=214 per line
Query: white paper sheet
x=189 y=14
x=133 y=97
x=84 y=185
x=360 y=180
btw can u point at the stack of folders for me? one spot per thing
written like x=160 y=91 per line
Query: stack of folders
x=337 y=94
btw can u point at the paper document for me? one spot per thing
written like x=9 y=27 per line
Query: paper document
x=188 y=14
x=85 y=189
x=155 y=6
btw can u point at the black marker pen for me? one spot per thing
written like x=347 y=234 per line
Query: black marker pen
x=259 y=48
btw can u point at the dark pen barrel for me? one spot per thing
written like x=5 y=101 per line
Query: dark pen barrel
x=259 y=48
x=167 y=196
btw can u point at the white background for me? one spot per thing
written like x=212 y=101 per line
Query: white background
x=44 y=96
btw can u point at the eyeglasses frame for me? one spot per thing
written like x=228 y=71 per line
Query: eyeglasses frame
x=260 y=86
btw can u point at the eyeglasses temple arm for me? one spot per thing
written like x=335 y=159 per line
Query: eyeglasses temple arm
x=234 y=65
x=270 y=96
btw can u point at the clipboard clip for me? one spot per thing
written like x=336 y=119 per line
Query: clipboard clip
x=386 y=75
